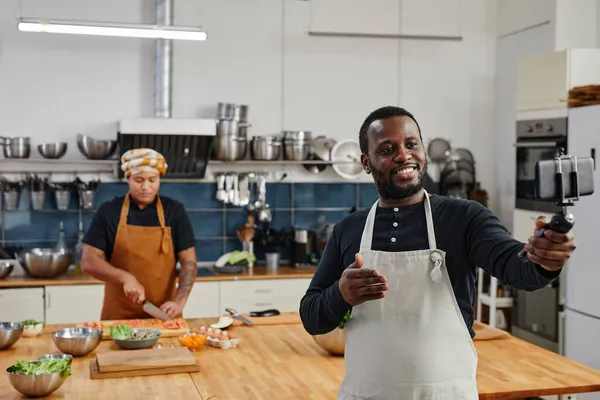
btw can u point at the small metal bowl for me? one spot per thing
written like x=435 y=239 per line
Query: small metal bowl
x=6 y=267
x=10 y=332
x=36 y=385
x=67 y=357
x=77 y=341
x=95 y=149
x=136 y=344
x=53 y=151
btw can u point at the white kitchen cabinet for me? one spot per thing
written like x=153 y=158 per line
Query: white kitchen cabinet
x=203 y=300
x=542 y=81
x=518 y=15
x=510 y=51
x=386 y=17
x=255 y=295
x=73 y=303
x=21 y=304
x=431 y=17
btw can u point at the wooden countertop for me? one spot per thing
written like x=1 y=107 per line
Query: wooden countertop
x=283 y=362
x=258 y=272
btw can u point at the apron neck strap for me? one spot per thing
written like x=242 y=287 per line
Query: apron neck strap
x=367 y=235
x=125 y=211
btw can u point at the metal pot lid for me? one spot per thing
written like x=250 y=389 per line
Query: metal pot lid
x=345 y=156
x=438 y=149
x=463 y=154
x=322 y=147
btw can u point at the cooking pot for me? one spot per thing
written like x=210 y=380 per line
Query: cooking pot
x=231 y=111
x=333 y=342
x=230 y=148
x=265 y=148
x=230 y=127
x=16 y=147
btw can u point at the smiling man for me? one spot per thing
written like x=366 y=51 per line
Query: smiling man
x=405 y=270
x=135 y=241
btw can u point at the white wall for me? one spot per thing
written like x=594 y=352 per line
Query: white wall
x=258 y=53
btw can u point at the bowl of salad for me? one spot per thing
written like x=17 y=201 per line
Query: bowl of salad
x=128 y=338
x=32 y=328
x=38 y=378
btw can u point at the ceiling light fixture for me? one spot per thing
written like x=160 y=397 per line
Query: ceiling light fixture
x=111 y=29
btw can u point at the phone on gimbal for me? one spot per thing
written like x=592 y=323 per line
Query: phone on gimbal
x=562 y=180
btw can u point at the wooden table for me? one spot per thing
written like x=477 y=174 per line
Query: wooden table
x=283 y=362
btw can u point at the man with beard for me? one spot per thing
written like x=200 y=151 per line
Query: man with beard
x=400 y=277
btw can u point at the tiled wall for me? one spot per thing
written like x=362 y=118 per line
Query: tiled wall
x=215 y=224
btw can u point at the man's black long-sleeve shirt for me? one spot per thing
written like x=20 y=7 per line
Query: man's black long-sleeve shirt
x=470 y=234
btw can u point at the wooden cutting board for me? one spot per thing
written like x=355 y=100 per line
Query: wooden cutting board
x=119 y=364
x=142 y=323
x=486 y=332
x=285 y=318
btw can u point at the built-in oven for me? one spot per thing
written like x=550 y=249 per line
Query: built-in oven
x=536 y=315
x=537 y=140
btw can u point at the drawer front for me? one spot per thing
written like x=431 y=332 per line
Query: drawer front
x=246 y=296
x=203 y=301
x=266 y=288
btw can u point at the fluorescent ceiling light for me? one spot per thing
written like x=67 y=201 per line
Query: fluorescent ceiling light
x=111 y=29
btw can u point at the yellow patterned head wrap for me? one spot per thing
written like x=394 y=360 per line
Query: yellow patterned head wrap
x=136 y=161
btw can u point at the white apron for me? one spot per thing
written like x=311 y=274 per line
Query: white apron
x=413 y=344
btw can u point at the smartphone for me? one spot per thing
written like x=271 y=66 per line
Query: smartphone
x=547 y=183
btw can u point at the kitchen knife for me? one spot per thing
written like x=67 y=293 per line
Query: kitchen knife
x=239 y=316
x=156 y=312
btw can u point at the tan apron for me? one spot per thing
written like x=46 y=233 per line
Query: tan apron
x=413 y=344
x=147 y=253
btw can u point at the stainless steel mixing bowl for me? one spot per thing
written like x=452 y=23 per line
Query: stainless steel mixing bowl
x=96 y=149
x=333 y=342
x=6 y=267
x=10 y=332
x=77 y=341
x=135 y=344
x=36 y=385
x=53 y=151
x=44 y=262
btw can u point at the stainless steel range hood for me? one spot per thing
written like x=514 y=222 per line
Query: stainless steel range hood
x=185 y=143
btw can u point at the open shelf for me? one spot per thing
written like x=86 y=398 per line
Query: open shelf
x=501 y=302
x=61 y=165
x=278 y=162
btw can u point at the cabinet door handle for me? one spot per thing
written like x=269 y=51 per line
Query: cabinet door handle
x=262 y=304
x=263 y=291
x=48 y=302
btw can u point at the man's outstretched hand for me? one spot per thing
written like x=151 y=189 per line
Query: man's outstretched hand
x=359 y=284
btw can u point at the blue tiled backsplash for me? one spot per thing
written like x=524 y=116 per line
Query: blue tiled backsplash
x=292 y=204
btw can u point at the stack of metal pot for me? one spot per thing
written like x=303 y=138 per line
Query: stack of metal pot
x=296 y=145
x=231 y=141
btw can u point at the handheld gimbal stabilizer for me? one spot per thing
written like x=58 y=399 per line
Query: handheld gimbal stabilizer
x=562 y=180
